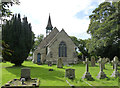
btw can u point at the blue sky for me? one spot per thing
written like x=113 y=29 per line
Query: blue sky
x=71 y=15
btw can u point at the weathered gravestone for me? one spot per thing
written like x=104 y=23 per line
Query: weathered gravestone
x=107 y=60
x=87 y=75
x=112 y=62
x=101 y=74
x=25 y=73
x=70 y=73
x=103 y=62
x=115 y=72
x=93 y=61
x=59 y=63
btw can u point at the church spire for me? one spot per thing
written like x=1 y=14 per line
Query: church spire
x=49 y=26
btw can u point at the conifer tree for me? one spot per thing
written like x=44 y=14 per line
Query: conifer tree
x=19 y=36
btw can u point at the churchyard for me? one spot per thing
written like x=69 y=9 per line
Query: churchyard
x=57 y=76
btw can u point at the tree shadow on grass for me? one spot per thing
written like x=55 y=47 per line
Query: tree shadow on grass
x=38 y=72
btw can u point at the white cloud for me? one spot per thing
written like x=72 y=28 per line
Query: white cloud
x=62 y=14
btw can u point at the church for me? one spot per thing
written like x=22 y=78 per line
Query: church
x=57 y=44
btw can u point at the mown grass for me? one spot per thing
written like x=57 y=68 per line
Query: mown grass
x=57 y=77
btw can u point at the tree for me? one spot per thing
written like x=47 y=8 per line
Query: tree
x=37 y=41
x=104 y=28
x=19 y=36
x=5 y=7
x=81 y=45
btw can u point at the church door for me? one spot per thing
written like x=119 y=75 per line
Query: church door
x=38 y=57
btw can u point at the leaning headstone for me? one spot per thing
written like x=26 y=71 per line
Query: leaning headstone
x=101 y=74
x=92 y=61
x=115 y=72
x=70 y=73
x=87 y=75
x=59 y=63
x=25 y=73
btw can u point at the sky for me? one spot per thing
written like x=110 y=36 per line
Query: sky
x=70 y=15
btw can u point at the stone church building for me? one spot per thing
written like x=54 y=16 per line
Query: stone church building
x=56 y=44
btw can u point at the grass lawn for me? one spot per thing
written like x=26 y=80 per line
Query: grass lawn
x=57 y=77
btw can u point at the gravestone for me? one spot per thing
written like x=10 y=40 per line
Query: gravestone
x=112 y=62
x=92 y=61
x=115 y=72
x=70 y=73
x=107 y=60
x=103 y=62
x=101 y=74
x=87 y=75
x=59 y=63
x=25 y=73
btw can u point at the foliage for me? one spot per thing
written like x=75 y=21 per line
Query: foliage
x=104 y=28
x=5 y=7
x=81 y=45
x=38 y=39
x=19 y=36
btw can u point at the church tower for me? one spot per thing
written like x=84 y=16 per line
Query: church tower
x=49 y=26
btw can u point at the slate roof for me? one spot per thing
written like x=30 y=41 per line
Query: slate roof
x=48 y=38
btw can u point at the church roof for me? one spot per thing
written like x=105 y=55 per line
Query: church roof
x=48 y=38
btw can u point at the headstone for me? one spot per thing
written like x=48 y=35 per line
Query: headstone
x=87 y=75
x=101 y=74
x=103 y=62
x=70 y=73
x=25 y=73
x=112 y=62
x=115 y=72
x=93 y=61
x=59 y=63
x=107 y=60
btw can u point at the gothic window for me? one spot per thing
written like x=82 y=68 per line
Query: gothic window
x=62 y=49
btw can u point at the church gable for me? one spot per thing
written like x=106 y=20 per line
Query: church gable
x=61 y=36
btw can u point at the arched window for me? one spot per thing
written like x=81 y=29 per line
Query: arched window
x=62 y=49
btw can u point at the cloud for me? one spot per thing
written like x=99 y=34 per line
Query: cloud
x=65 y=14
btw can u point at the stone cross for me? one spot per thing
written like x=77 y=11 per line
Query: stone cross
x=103 y=61
x=92 y=61
x=101 y=74
x=115 y=58
x=115 y=72
x=87 y=75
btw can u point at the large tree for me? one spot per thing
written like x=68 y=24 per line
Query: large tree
x=19 y=36
x=104 y=28
x=81 y=45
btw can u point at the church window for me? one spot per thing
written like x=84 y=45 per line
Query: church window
x=62 y=49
